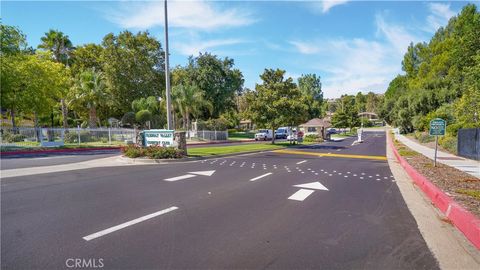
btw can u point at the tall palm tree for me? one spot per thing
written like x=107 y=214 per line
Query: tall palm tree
x=61 y=47
x=190 y=101
x=59 y=44
x=90 y=91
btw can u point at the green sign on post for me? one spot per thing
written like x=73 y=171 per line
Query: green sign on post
x=437 y=128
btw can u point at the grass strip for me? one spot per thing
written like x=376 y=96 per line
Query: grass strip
x=231 y=149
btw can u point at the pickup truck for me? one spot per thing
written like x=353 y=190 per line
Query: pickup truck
x=263 y=134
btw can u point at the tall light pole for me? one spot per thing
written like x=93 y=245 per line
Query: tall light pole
x=167 y=73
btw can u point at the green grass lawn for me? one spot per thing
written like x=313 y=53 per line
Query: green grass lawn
x=235 y=136
x=231 y=149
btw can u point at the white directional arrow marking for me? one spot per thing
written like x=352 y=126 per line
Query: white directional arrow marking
x=181 y=177
x=190 y=175
x=205 y=173
x=312 y=185
x=302 y=194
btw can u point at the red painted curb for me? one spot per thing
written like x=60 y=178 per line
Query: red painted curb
x=465 y=221
x=11 y=153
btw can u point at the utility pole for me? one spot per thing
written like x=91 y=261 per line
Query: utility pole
x=167 y=74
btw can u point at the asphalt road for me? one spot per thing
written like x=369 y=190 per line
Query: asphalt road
x=247 y=215
x=49 y=159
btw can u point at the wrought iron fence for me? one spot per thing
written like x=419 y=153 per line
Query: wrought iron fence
x=25 y=137
x=208 y=135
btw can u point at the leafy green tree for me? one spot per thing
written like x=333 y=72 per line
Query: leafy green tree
x=86 y=57
x=190 y=101
x=12 y=40
x=143 y=116
x=133 y=66
x=277 y=101
x=31 y=84
x=361 y=102
x=153 y=105
x=89 y=92
x=346 y=114
x=59 y=44
x=217 y=78
x=311 y=88
x=128 y=119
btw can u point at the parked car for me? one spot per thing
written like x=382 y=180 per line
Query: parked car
x=331 y=131
x=263 y=134
x=293 y=136
x=282 y=133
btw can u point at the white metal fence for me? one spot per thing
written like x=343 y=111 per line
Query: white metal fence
x=208 y=135
x=36 y=137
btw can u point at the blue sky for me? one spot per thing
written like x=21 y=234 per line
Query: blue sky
x=353 y=45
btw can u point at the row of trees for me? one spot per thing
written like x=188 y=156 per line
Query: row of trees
x=346 y=109
x=61 y=85
x=442 y=79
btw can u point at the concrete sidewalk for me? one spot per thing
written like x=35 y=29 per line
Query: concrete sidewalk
x=469 y=166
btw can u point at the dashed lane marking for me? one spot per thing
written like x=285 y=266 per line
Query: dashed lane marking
x=300 y=162
x=296 y=152
x=128 y=223
x=259 y=177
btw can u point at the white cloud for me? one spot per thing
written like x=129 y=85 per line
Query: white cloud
x=304 y=47
x=199 y=15
x=396 y=35
x=194 y=47
x=325 y=5
x=357 y=64
x=440 y=14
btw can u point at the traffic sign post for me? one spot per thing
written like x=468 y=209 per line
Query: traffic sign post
x=437 y=128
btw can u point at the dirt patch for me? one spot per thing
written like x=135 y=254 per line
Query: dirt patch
x=462 y=187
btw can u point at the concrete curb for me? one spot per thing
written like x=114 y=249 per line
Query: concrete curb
x=188 y=159
x=465 y=221
x=46 y=151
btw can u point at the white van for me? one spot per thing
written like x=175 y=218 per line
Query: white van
x=263 y=135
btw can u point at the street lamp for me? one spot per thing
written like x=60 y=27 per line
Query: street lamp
x=167 y=73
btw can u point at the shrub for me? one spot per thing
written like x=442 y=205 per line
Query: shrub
x=128 y=119
x=133 y=151
x=312 y=138
x=423 y=137
x=448 y=143
x=143 y=116
x=85 y=136
x=155 y=152
x=158 y=152
x=70 y=137
x=10 y=137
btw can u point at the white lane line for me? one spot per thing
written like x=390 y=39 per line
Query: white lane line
x=300 y=162
x=261 y=176
x=128 y=223
x=301 y=195
x=181 y=177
